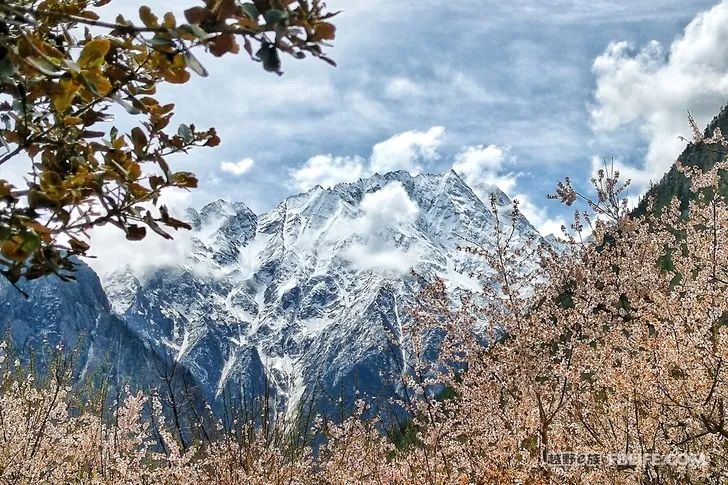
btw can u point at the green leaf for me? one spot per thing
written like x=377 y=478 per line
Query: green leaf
x=186 y=133
x=250 y=10
x=268 y=54
x=129 y=107
x=275 y=16
x=31 y=242
x=43 y=66
x=197 y=31
x=6 y=66
x=158 y=41
x=195 y=65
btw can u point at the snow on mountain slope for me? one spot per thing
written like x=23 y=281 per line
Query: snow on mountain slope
x=302 y=297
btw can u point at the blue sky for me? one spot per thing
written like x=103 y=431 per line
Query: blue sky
x=519 y=93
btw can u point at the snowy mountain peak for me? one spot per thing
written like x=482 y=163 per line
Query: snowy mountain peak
x=309 y=290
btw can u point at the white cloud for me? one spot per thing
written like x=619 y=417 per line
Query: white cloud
x=405 y=150
x=327 y=171
x=388 y=207
x=481 y=166
x=653 y=88
x=367 y=258
x=539 y=216
x=484 y=167
x=113 y=252
x=402 y=88
x=237 y=168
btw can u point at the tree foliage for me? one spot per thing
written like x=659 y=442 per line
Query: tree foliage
x=62 y=69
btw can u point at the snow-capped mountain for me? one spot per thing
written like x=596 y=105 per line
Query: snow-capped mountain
x=304 y=297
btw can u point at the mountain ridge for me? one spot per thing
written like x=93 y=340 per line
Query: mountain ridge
x=300 y=292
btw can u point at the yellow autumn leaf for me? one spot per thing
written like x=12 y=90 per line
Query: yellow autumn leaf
x=147 y=17
x=72 y=121
x=98 y=81
x=170 y=22
x=134 y=170
x=118 y=144
x=63 y=93
x=93 y=53
x=5 y=188
x=11 y=249
x=16 y=248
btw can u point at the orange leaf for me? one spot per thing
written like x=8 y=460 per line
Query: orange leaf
x=139 y=139
x=72 y=121
x=177 y=76
x=12 y=249
x=324 y=31
x=222 y=44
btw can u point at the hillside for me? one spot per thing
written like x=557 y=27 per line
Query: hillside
x=703 y=155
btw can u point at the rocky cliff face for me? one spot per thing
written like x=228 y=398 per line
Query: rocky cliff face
x=73 y=319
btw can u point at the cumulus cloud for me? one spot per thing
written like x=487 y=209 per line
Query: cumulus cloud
x=367 y=258
x=653 y=87
x=482 y=166
x=237 y=168
x=327 y=171
x=539 y=216
x=404 y=151
x=485 y=167
x=388 y=207
x=112 y=252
